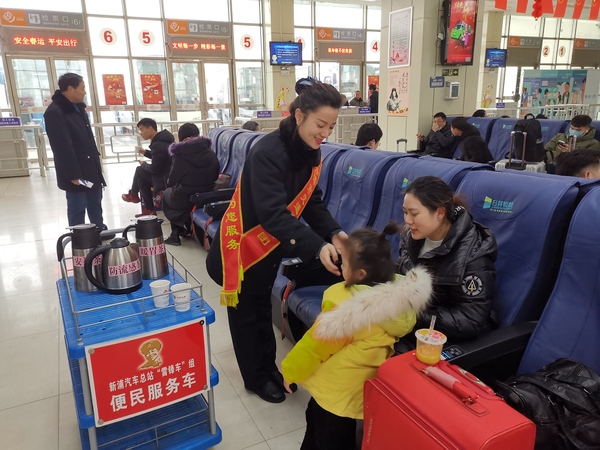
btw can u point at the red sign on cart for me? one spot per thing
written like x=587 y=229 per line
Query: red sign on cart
x=133 y=376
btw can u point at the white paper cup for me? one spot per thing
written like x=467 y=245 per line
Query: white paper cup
x=181 y=296
x=160 y=287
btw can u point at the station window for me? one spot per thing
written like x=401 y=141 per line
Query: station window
x=374 y=18
x=155 y=68
x=107 y=36
x=524 y=26
x=587 y=29
x=250 y=84
x=247 y=43
x=45 y=5
x=106 y=66
x=338 y=15
x=105 y=7
x=306 y=35
x=146 y=38
x=143 y=8
x=4 y=98
x=185 y=9
x=302 y=13
x=246 y=11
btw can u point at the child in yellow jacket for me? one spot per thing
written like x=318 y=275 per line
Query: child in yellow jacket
x=355 y=333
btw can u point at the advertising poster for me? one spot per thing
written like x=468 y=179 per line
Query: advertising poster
x=114 y=89
x=553 y=87
x=132 y=376
x=397 y=100
x=461 y=32
x=152 y=92
x=373 y=79
x=400 y=36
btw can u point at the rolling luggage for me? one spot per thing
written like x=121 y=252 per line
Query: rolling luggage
x=445 y=408
x=519 y=164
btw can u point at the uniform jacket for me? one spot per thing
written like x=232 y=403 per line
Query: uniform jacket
x=439 y=143
x=463 y=277
x=276 y=169
x=161 y=160
x=473 y=147
x=587 y=141
x=72 y=141
x=354 y=334
x=374 y=102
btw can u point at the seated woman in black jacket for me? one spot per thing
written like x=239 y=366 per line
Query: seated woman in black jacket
x=472 y=146
x=440 y=235
x=195 y=168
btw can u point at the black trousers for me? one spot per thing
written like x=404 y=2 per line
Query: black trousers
x=326 y=431
x=253 y=338
x=142 y=183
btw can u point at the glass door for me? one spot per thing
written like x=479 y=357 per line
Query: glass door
x=217 y=92
x=32 y=83
x=350 y=80
x=186 y=93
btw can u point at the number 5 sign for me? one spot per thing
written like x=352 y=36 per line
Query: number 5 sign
x=146 y=37
x=247 y=42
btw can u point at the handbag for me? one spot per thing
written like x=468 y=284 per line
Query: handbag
x=563 y=400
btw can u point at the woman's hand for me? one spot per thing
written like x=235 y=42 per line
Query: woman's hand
x=338 y=240
x=329 y=257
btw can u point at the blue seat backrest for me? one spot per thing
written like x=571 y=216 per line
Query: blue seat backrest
x=596 y=123
x=484 y=125
x=330 y=153
x=356 y=184
x=499 y=141
x=551 y=128
x=240 y=146
x=213 y=135
x=570 y=324
x=528 y=216
x=405 y=171
x=223 y=145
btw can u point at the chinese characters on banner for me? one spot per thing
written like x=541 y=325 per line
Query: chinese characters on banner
x=152 y=91
x=114 y=89
x=400 y=36
x=398 y=84
x=140 y=374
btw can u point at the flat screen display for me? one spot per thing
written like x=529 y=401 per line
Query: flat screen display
x=460 y=18
x=285 y=53
x=495 y=57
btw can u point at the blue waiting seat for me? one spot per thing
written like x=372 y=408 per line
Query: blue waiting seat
x=240 y=146
x=406 y=170
x=527 y=214
x=499 y=141
x=484 y=125
x=570 y=324
x=551 y=128
x=596 y=124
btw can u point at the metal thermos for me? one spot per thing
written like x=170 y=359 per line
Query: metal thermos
x=151 y=247
x=120 y=267
x=84 y=238
x=571 y=142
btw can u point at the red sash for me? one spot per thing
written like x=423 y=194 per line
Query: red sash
x=240 y=250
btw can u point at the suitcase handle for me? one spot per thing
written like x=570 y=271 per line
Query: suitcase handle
x=454 y=384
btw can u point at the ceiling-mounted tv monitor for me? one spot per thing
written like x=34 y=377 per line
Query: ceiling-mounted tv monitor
x=495 y=57
x=460 y=18
x=285 y=53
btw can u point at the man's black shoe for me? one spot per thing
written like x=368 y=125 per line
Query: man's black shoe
x=278 y=379
x=270 y=392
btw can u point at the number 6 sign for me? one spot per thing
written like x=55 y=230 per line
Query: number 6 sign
x=108 y=36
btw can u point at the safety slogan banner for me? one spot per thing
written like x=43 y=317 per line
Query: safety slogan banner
x=152 y=91
x=129 y=377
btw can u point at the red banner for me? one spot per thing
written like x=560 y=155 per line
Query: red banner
x=133 y=376
x=578 y=9
x=152 y=91
x=522 y=6
x=114 y=89
x=501 y=4
x=547 y=7
x=595 y=8
x=561 y=8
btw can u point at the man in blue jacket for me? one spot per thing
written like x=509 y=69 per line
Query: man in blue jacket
x=76 y=157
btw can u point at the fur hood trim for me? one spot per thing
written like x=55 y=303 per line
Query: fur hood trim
x=199 y=141
x=381 y=303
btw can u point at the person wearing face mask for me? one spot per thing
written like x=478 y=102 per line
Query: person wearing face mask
x=277 y=187
x=584 y=134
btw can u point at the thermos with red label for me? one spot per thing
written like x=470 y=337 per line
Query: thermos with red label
x=84 y=238
x=151 y=247
x=121 y=272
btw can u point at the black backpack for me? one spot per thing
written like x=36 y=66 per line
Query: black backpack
x=563 y=400
x=534 y=144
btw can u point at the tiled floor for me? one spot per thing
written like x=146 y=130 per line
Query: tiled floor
x=37 y=410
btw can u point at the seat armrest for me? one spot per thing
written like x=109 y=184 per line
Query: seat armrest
x=203 y=198
x=312 y=273
x=216 y=210
x=495 y=354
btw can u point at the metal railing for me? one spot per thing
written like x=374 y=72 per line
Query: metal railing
x=28 y=138
x=558 y=112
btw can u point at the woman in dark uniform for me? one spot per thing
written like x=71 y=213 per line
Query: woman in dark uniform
x=278 y=185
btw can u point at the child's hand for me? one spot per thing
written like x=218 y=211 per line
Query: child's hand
x=290 y=388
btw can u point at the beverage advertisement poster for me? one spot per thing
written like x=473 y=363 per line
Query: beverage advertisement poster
x=460 y=32
x=398 y=85
x=400 y=37
x=132 y=376
x=114 y=89
x=152 y=91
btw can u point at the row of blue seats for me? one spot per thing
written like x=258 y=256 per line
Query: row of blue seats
x=529 y=214
x=496 y=132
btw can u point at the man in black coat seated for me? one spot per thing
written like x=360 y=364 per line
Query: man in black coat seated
x=148 y=176
x=195 y=168
x=439 y=141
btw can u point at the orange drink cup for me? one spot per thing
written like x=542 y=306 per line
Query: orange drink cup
x=429 y=345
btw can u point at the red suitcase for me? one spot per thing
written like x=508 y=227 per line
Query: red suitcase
x=448 y=408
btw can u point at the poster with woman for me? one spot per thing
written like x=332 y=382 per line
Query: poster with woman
x=397 y=100
x=400 y=36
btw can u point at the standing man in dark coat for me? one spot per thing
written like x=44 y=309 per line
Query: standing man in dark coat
x=154 y=175
x=76 y=156
x=373 y=99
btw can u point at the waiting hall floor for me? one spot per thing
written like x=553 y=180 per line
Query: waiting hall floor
x=37 y=410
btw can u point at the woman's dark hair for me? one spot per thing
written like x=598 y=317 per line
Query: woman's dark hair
x=394 y=91
x=479 y=113
x=187 y=130
x=312 y=95
x=371 y=251
x=434 y=193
